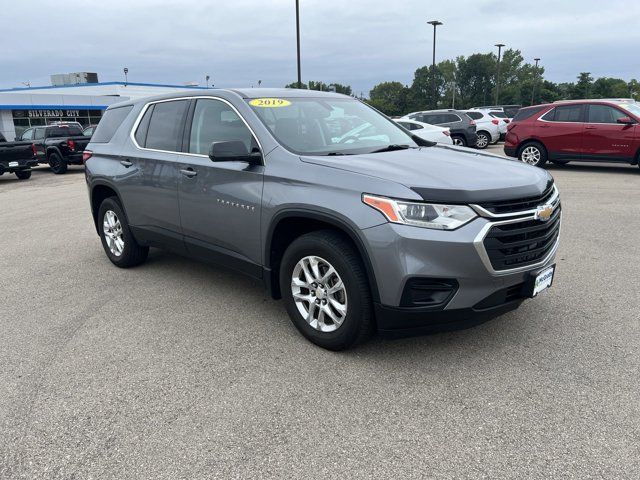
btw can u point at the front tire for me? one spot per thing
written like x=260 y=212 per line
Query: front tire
x=23 y=174
x=483 y=141
x=57 y=164
x=325 y=290
x=117 y=239
x=533 y=153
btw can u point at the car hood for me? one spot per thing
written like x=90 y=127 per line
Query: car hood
x=447 y=174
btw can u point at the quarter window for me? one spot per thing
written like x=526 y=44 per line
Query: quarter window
x=165 y=126
x=475 y=115
x=604 y=114
x=215 y=121
x=111 y=120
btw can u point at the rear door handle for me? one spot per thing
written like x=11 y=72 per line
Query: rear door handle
x=126 y=163
x=590 y=127
x=188 y=172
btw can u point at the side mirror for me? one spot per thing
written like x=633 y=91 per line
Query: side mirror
x=233 y=151
x=626 y=120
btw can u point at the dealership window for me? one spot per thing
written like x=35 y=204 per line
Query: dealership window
x=23 y=119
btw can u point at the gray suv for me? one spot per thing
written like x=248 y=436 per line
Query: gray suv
x=356 y=224
x=461 y=126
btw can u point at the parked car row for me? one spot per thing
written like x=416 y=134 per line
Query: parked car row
x=59 y=145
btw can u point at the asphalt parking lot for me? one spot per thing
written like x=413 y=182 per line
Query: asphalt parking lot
x=181 y=370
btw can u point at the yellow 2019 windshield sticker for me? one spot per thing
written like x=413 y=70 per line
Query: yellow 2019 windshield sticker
x=269 y=102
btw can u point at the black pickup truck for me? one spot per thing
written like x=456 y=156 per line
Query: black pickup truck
x=57 y=145
x=17 y=157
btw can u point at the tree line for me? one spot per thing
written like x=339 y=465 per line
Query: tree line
x=471 y=81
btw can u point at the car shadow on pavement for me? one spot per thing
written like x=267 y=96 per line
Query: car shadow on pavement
x=192 y=274
x=596 y=168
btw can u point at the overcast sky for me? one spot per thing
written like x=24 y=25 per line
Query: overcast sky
x=355 y=42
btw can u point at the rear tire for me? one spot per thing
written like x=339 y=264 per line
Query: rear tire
x=305 y=262
x=117 y=239
x=483 y=140
x=533 y=153
x=57 y=164
x=459 y=140
x=23 y=174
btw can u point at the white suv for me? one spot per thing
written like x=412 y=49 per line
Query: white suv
x=487 y=127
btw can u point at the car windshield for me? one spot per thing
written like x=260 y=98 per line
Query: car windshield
x=328 y=126
x=631 y=107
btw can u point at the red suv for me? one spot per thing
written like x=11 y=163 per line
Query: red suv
x=580 y=130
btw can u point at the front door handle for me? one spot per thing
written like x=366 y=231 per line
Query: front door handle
x=590 y=127
x=188 y=172
x=126 y=163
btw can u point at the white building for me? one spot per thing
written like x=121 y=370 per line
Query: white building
x=21 y=108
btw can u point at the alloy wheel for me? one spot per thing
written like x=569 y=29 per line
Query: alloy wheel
x=458 y=141
x=482 y=141
x=531 y=155
x=319 y=293
x=112 y=230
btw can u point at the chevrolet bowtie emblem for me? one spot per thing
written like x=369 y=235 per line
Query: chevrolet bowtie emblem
x=544 y=212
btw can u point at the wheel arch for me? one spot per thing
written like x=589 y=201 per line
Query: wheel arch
x=99 y=192
x=289 y=224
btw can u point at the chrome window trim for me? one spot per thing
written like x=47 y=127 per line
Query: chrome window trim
x=553 y=121
x=483 y=212
x=478 y=243
x=132 y=133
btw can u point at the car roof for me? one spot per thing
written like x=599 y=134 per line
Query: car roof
x=595 y=100
x=241 y=92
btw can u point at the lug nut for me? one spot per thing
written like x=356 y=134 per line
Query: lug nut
x=317 y=302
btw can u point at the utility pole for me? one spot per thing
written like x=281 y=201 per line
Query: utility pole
x=535 y=81
x=298 y=41
x=499 y=45
x=435 y=24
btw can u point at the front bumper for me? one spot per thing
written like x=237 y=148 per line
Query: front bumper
x=396 y=321
x=401 y=253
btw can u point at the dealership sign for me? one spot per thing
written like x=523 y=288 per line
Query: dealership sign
x=53 y=113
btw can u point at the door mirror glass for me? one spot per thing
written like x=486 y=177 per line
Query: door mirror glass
x=626 y=120
x=232 y=151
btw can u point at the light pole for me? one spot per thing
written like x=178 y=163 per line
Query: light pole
x=298 y=41
x=435 y=24
x=207 y=78
x=535 y=81
x=126 y=71
x=499 y=45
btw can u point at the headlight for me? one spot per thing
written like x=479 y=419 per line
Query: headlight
x=427 y=215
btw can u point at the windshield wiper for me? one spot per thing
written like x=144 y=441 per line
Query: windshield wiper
x=391 y=148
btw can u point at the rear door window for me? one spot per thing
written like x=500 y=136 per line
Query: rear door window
x=450 y=118
x=166 y=126
x=566 y=113
x=109 y=124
